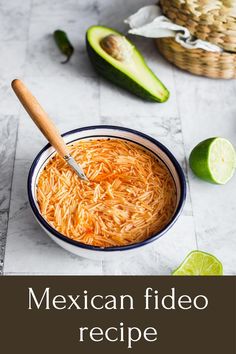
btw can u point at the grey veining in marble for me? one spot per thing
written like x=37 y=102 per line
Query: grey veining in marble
x=8 y=130
x=75 y=96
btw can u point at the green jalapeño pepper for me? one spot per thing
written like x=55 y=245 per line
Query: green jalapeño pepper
x=63 y=44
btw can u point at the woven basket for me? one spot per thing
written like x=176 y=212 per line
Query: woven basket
x=209 y=20
x=198 y=61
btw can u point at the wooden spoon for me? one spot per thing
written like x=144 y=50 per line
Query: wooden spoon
x=45 y=124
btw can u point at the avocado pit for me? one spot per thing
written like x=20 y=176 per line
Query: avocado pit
x=117 y=47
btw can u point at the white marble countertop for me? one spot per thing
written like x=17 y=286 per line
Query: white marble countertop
x=75 y=96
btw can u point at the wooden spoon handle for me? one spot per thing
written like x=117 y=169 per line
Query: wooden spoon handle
x=40 y=117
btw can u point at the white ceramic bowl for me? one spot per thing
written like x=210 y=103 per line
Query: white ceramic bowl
x=104 y=131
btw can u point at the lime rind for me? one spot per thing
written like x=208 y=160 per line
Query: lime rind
x=199 y=263
x=221 y=160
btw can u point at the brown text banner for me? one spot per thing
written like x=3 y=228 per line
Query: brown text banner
x=119 y=314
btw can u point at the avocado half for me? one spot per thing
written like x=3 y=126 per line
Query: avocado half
x=132 y=74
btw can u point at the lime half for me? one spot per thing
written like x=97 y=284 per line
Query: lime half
x=199 y=263
x=213 y=160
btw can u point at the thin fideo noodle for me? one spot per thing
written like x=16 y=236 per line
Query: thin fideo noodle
x=130 y=194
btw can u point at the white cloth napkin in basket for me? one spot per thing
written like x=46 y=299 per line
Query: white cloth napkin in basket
x=149 y=22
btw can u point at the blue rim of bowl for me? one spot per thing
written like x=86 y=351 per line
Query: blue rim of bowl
x=183 y=191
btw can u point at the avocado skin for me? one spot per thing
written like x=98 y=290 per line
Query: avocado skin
x=116 y=76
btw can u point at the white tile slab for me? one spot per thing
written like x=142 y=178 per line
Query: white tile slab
x=112 y=14
x=60 y=97
x=208 y=108
x=9 y=104
x=215 y=213
x=12 y=61
x=44 y=58
x=8 y=133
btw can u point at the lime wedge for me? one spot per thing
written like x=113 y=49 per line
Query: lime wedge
x=199 y=263
x=213 y=160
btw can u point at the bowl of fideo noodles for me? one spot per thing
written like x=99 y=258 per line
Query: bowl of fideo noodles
x=135 y=193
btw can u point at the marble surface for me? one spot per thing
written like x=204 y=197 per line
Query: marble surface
x=75 y=96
